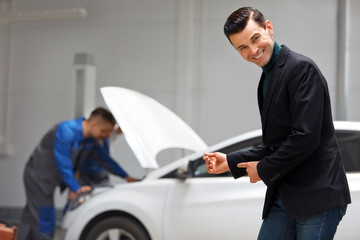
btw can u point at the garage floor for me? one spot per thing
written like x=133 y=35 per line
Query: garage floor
x=57 y=235
x=12 y=215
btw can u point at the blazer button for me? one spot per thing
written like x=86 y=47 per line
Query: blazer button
x=274 y=178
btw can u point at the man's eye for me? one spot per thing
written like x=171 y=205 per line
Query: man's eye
x=256 y=38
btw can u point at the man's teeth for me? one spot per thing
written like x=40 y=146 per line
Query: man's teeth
x=259 y=55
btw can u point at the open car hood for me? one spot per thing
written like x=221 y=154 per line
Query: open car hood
x=148 y=126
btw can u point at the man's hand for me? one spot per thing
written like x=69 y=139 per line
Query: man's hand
x=216 y=163
x=82 y=189
x=251 y=169
x=131 y=179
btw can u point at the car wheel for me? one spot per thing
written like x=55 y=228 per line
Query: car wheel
x=117 y=228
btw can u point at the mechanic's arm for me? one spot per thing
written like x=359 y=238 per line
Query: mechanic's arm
x=103 y=158
x=62 y=152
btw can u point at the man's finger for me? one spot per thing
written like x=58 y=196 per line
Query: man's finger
x=243 y=165
x=210 y=154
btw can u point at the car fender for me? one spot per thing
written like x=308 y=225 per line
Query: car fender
x=143 y=201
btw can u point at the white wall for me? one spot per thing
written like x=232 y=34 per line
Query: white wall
x=353 y=87
x=171 y=50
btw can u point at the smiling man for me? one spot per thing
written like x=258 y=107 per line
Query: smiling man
x=299 y=160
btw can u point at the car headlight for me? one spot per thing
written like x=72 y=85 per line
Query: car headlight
x=79 y=200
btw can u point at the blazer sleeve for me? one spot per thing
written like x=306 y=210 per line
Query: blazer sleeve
x=255 y=154
x=306 y=92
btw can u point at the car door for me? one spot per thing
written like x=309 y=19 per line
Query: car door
x=205 y=206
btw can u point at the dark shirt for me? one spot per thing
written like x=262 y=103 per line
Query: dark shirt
x=267 y=69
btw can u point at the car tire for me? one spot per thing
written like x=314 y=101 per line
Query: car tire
x=119 y=228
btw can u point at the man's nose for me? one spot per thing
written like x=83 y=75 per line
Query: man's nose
x=253 y=49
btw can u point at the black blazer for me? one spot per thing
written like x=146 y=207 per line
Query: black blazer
x=300 y=157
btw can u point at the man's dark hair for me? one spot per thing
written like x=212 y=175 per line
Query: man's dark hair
x=104 y=114
x=238 y=20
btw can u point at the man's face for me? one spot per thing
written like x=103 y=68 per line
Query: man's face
x=255 y=44
x=101 y=130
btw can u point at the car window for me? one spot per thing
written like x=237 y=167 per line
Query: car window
x=350 y=149
x=198 y=167
x=349 y=142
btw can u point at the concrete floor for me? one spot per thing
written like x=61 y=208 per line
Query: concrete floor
x=57 y=235
x=12 y=216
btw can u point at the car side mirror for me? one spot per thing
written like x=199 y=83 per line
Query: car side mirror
x=182 y=173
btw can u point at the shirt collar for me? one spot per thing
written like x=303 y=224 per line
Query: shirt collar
x=268 y=67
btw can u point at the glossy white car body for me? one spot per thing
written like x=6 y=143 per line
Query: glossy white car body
x=185 y=206
x=173 y=208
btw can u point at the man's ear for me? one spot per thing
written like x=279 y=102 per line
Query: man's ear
x=269 y=27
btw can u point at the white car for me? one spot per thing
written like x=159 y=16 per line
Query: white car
x=181 y=200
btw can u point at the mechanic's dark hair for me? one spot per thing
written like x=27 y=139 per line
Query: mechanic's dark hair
x=238 y=20
x=104 y=114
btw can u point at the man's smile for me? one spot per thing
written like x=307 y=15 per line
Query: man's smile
x=260 y=55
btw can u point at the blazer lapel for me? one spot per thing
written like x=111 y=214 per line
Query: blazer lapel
x=260 y=94
x=276 y=73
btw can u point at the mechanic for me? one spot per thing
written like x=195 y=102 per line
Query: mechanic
x=299 y=160
x=53 y=162
x=94 y=171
